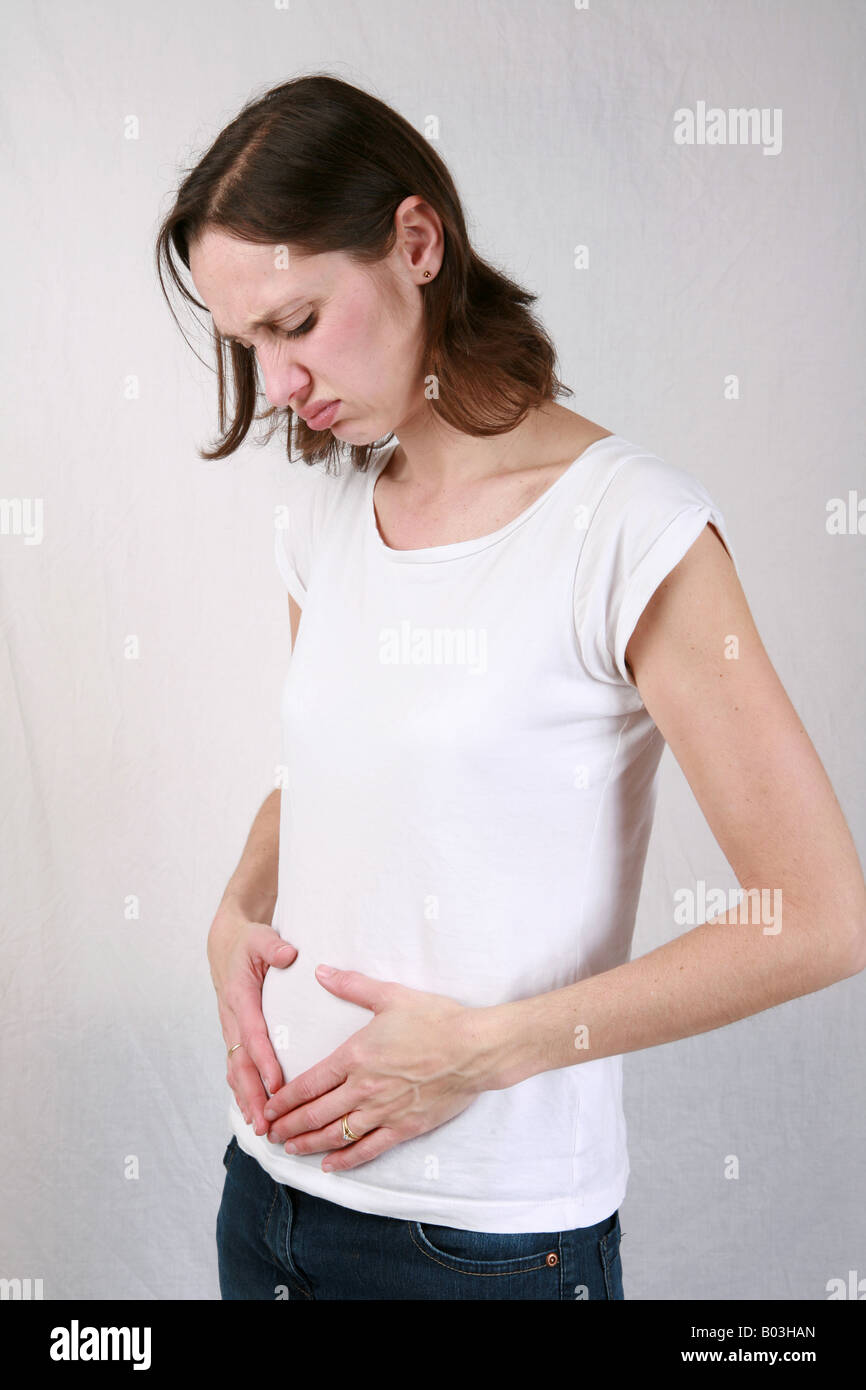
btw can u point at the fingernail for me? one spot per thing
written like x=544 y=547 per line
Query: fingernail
x=291 y=1148
x=325 y=969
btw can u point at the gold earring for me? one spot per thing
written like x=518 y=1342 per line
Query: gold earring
x=426 y=274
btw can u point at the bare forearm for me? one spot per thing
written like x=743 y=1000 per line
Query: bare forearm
x=252 y=888
x=719 y=972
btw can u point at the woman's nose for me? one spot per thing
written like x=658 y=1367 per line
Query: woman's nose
x=283 y=381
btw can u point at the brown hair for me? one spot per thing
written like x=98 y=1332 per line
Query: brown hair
x=321 y=165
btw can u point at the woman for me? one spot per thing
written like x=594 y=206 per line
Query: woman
x=506 y=612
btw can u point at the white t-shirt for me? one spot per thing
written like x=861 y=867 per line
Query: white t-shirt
x=470 y=780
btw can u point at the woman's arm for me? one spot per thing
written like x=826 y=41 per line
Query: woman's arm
x=709 y=685
x=252 y=889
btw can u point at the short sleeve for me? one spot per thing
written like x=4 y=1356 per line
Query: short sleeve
x=649 y=515
x=296 y=520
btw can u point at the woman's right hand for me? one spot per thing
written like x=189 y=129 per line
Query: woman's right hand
x=239 y=952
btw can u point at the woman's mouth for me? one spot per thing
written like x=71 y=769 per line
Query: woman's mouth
x=324 y=417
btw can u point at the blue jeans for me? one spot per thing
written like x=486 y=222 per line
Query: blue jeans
x=275 y=1242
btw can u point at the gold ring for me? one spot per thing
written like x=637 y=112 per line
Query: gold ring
x=347 y=1133
x=235 y=1048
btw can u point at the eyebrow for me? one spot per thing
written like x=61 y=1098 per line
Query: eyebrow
x=260 y=323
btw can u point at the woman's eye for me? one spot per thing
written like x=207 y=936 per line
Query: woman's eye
x=287 y=332
x=302 y=328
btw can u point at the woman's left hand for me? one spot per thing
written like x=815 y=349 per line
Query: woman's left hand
x=419 y=1062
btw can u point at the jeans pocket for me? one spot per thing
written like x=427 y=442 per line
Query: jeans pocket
x=486 y=1252
x=231 y=1150
x=609 y=1247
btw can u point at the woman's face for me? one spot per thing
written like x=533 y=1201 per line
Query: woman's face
x=359 y=338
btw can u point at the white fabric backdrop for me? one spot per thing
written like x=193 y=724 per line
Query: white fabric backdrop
x=141 y=776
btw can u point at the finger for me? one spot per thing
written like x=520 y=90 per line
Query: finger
x=310 y=1084
x=269 y=946
x=246 y=1005
x=331 y=1136
x=244 y=1022
x=260 y=1051
x=351 y=1155
x=360 y=989
x=252 y=1095
x=241 y=1072
x=316 y=1117
x=231 y=1035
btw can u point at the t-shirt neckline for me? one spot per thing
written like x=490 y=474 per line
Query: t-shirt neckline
x=433 y=553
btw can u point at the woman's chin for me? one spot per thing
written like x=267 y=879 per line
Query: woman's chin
x=351 y=432
x=357 y=431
